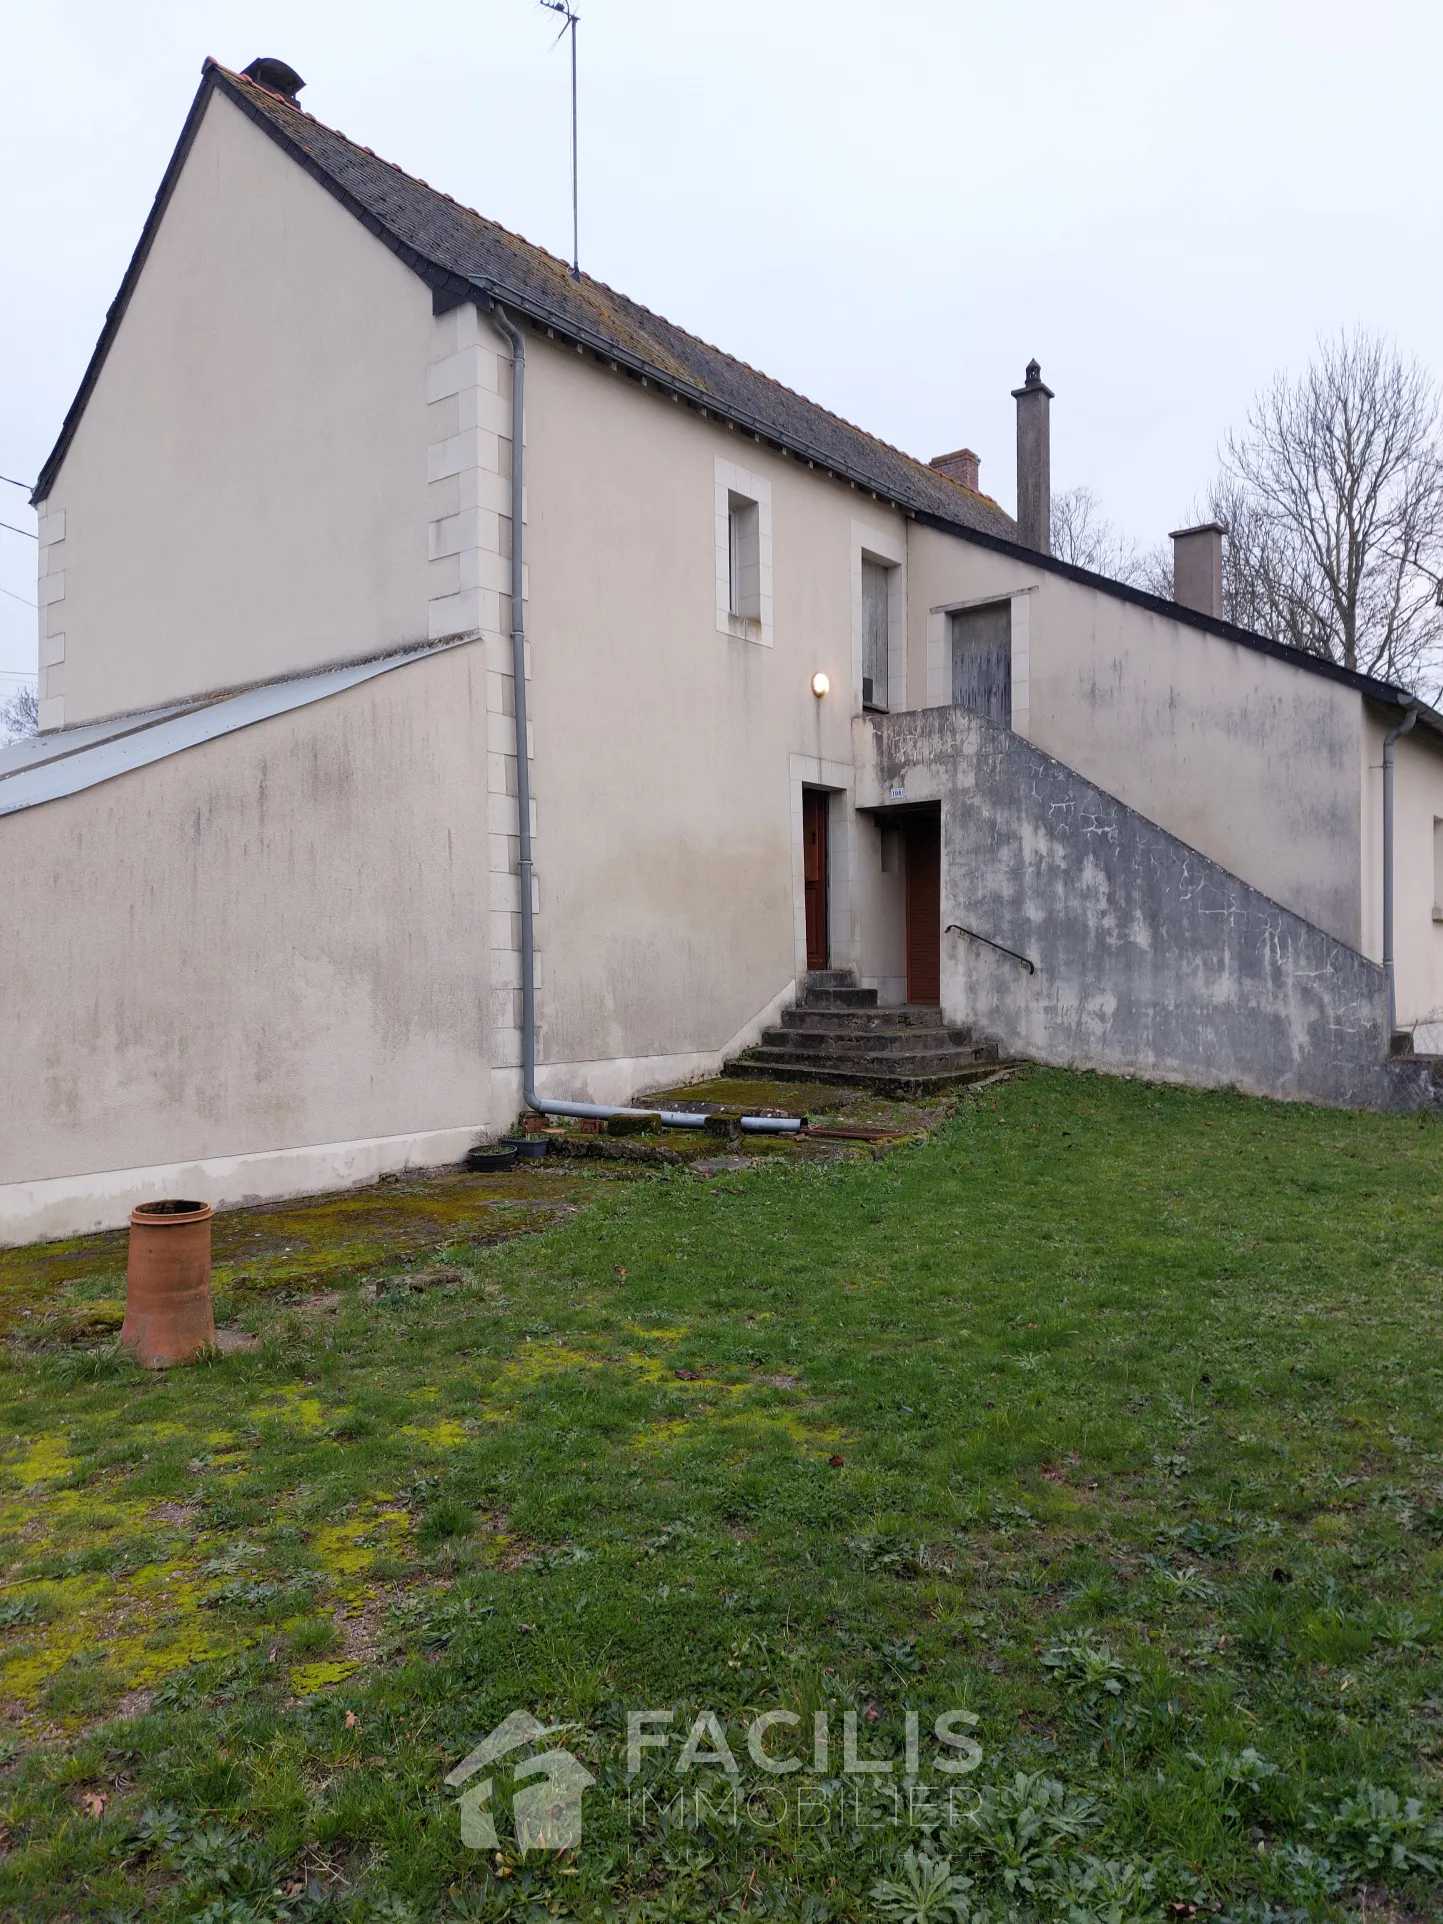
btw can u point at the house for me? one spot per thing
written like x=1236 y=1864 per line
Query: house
x=791 y=701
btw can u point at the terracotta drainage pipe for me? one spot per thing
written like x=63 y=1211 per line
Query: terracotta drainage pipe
x=167 y=1284
x=674 y=1118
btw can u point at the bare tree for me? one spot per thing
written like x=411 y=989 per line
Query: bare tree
x=1333 y=499
x=19 y=713
x=1083 y=535
x=1153 y=570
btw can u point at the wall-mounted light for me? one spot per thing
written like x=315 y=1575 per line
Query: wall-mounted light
x=821 y=684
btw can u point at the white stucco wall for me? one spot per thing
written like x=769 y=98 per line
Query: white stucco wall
x=1417 y=884
x=271 y=947
x=670 y=755
x=1242 y=756
x=246 y=492
x=296 y=950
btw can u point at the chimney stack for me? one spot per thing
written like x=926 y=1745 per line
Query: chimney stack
x=961 y=466
x=1034 y=462
x=1197 y=567
x=276 y=76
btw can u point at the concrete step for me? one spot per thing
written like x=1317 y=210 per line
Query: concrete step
x=921 y=1020
x=843 y=998
x=829 y=979
x=900 y=1084
x=909 y=1062
x=836 y=1040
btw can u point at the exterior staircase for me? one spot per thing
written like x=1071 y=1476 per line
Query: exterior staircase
x=836 y=1032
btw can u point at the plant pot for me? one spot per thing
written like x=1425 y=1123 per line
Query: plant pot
x=529 y=1148
x=167 y=1284
x=491 y=1161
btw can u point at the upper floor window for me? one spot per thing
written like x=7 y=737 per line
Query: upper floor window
x=876 y=632
x=744 y=558
x=982 y=660
x=743 y=553
x=879 y=614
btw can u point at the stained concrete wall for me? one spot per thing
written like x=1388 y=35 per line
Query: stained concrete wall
x=1239 y=754
x=1150 y=959
x=274 y=942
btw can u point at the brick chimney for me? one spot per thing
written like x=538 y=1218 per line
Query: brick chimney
x=1034 y=462
x=961 y=466
x=1197 y=567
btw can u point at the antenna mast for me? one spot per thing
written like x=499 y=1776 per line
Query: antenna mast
x=570 y=17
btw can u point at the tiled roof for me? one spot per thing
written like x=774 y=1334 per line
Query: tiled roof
x=452 y=248
x=436 y=233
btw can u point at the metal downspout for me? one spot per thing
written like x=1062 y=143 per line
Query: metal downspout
x=675 y=1118
x=1388 y=963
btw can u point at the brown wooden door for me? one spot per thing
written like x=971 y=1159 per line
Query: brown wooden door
x=923 y=838
x=814 y=843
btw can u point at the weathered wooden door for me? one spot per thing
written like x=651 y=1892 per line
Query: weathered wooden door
x=982 y=661
x=814 y=843
x=922 y=836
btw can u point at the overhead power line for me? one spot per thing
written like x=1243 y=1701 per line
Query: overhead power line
x=17 y=484
x=14 y=597
x=29 y=533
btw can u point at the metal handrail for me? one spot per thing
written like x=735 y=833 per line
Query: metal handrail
x=956 y=928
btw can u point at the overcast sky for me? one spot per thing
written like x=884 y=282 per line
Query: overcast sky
x=891 y=207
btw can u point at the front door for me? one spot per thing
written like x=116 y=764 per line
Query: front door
x=814 y=844
x=922 y=838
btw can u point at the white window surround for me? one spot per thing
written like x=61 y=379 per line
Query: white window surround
x=888 y=546
x=732 y=480
x=939 y=651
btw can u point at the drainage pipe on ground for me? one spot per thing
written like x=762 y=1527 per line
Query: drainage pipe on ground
x=1388 y=964
x=543 y=1105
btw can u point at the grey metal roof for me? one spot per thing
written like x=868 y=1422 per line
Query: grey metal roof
x=32 y=749
x=72 y=759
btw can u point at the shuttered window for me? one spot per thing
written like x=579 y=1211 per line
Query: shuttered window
x=874 y=634
x=982 y=661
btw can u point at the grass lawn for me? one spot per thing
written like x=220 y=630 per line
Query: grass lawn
x=1109 y=1416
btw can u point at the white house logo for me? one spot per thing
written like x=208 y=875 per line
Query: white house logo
x=546 y=1814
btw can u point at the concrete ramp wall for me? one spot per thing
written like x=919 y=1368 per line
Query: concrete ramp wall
x=1150 y=959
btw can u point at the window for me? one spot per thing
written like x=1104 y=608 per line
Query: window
x=876 y=633
x=879 y=615
x=744 y=557
x=743 y=554
x=982 y=661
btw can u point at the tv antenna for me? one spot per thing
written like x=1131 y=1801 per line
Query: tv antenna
x=569 y=18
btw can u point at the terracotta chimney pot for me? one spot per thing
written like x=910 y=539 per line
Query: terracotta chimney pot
x=168 y=1315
